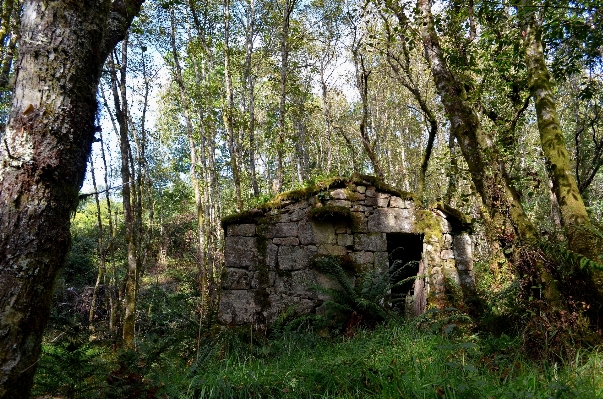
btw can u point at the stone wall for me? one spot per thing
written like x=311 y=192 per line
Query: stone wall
x=269 y=254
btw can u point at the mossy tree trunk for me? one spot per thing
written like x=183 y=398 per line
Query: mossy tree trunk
x=573 y=211
x=577 y=226
x=48 y=139
x=513 y=229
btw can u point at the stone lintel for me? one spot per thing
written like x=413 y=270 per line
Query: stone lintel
x=370 y=242
x=392 y=220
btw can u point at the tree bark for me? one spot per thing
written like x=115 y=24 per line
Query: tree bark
x=250 y=87
x=44 y=153
x=488 y=172
x=574 y=217
x=228 y=110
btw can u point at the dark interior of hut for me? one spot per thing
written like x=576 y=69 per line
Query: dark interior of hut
x=404 y=252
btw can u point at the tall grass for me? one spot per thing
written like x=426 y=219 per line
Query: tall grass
x=393 y=361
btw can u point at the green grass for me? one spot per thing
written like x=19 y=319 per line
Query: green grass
x=394 y=361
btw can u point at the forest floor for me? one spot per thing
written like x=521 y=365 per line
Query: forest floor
x=394 y=360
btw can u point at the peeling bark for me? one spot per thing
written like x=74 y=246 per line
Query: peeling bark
x=43 y=162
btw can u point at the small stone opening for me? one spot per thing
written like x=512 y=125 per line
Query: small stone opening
x=405 y=251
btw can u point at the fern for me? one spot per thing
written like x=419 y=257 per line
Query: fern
x=368 y=297
x=572 y=260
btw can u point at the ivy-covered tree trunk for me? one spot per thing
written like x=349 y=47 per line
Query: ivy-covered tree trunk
x=43 y=154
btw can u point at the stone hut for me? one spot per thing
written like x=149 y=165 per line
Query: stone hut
x=270 y=252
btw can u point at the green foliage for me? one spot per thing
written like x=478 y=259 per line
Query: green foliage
x=80 y=267
x=503 y=310
x=71 y=368
x=393 y=361
x=569 y=260
x=367 y=298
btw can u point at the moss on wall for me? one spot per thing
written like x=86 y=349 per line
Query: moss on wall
x=286 y=198
x=366 y=180
x=428 y=224
x=330 y=213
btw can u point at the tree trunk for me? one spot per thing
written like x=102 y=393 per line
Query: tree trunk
x=288 y=6
x=44 y=153
x=250 y=87
x=362 y=79
x=574 y=217
x=212 y=232
x=113 y=300
x=186 y=108
x=488 y=172
x=581 y=237
x=228 y=111
x=129 y=195
x=101 y=251
x=11 y=19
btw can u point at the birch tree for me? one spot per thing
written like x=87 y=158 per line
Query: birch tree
x=47 y=142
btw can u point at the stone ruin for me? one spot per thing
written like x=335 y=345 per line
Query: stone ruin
x=270 y=252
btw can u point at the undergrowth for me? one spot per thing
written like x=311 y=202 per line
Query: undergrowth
x=394 y=360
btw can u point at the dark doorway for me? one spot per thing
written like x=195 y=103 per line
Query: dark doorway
x=405 y=252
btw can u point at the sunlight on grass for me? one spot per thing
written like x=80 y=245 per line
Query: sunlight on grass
x=391 y=362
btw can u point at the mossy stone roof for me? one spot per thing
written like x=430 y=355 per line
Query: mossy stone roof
x=289 y=197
